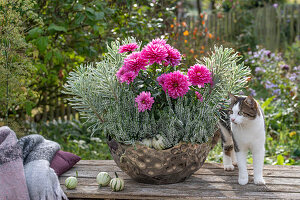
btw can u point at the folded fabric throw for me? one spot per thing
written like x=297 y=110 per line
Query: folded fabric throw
x=25 y=171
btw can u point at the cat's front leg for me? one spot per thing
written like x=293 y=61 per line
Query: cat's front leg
x=242 y=164
x=258 y=164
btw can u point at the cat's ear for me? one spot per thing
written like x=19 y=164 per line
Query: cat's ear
x=250 y=101
x=233 y=98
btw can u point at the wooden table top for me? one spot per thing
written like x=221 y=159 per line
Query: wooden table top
x=211 y=181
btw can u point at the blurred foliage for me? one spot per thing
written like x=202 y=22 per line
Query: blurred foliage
x=73 y=136
x=69 y=33
x=15 y=65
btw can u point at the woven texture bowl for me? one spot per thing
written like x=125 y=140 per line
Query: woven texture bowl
x=148 y=165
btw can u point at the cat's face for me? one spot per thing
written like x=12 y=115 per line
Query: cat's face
x=242 y=109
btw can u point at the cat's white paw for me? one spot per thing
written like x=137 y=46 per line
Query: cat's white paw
x=228 y=167
x=259 y=181
x=243 y=180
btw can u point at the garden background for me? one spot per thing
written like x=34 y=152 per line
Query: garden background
x=41 y=41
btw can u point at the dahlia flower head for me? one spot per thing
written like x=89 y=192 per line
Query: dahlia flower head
x=144 y=101
x=158 y=51
x=175 y=83
x=128 y=47
x=199 y=75
x=124 y=75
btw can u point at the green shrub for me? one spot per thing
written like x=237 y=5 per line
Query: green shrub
x=73 y=136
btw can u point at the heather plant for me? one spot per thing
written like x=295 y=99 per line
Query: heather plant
x=275 y=83
x=137 y=93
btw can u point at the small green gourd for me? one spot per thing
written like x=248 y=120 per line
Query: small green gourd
x=71 y=182
x=116 y=184
x=147 y=142
x=158 y=142
x=103 y=179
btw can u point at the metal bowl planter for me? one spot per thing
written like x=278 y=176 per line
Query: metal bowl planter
x=173 y=165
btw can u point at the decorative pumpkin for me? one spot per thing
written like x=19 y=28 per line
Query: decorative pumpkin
x=103 y=179
x=147 y=142
x=158 y=142
x=71 y=182
x=116 y=184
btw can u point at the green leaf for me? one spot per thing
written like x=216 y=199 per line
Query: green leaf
x=99 y=15
x=48 y=56
x=58 y=57
x=79 y=18
x=42 y=67
x=267 y=102
x=280 y=160
x=34 y=33
x=28 y=107
x=56 y=28
x=42 y=43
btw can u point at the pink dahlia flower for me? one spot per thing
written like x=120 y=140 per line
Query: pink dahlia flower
x=155 y=53
x=174 y=56
x=135 y=62
x=128 y=77
x=144 y=101
x=199 y=75
x=128 y=47
x=176 y=83
x=199 y=96
x=159 y=41
x=161 y=80
x=120 y=73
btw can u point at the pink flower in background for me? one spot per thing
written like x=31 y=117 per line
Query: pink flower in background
x=135 y=62
x=128 y=47
x=161 y=80
x=155 y=53
x=176 y=83
x=199 y=96
x=144 y=101
x=128 y=77
x=174 y=56
x=199 y=75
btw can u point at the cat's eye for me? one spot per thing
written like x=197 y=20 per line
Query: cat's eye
x=230 y=112
x=240 y=113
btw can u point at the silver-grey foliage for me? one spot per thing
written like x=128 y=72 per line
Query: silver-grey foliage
x=110 y=106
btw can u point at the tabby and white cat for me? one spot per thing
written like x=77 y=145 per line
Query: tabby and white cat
x=243 y=129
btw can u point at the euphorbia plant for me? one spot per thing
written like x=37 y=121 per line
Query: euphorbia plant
x=137 y=93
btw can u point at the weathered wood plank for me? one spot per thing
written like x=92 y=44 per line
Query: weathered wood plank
x=206 y=165
x=196 y=182
x=151 y=192
x=202 y=171
x=282 y=182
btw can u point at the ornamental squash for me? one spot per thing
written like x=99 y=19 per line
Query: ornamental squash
x=71 y=182
x=116 y=184
x=158 y=142
x=103 y=179
x=147 y=142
